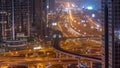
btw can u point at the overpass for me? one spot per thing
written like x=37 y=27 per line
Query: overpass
x=58 y=48
x=81 y=38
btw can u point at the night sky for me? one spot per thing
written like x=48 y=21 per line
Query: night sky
x=96 y=4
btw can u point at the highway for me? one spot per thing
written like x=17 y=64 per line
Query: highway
x=57 y=47
x=31 y=57
x=73 y=27
x=31 y=61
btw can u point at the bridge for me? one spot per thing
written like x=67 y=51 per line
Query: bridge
x=58 y=48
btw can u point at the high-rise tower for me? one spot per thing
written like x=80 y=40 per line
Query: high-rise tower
x=111 y=37
x=23 y=17
x=51 y=5
x=41 y=17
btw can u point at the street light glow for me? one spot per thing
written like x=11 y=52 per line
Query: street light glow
x=73 y=5
x=89 y=7
x=83 y=21
x=54 y=24
x=38 y=47
x=93 y=15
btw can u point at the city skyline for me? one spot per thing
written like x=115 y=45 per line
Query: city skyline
x=59 y=34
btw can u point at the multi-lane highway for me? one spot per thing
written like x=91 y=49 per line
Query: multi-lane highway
x=79 y=25
x=81 y=39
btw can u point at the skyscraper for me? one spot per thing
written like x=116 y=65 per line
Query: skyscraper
x=41 y=17
x=0 y=33
x=23 y=17
x=111 y=37
x=0 y=23
x=51 y=5
x=5 y=13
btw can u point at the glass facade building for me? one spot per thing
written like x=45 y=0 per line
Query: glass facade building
x=111 y=37
x=0 y=32
x=29 y=15
x=51 y=4
x=23 y=17
x=41 y=17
